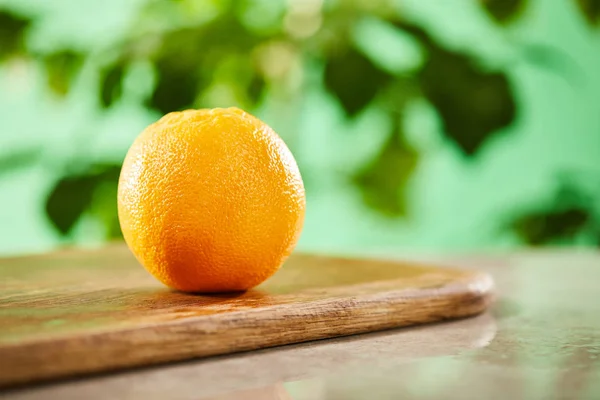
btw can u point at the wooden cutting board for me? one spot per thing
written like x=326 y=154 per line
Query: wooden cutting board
x=80 y=312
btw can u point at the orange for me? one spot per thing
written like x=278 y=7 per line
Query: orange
x=210 y=200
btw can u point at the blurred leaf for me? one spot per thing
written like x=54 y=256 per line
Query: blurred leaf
x=590 y=10
x=473 y=103
x=256 y=88
x=354 y=80
x=177 y=86
x=73 y=195
x=178 y=65
x=18 y=159
x=383 y=181
x=401 y=91
x=111 y=84
x=106 y=172
x=550 y=226
x=69 y=198
x=188 y=57
x=229 y=34
x=553 y=59
x=568 y=216
x=104 y=203
x=12 y=33
x=61 y=68
x=503 y=11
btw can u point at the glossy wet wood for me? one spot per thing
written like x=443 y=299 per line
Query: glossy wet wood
x=81 y=312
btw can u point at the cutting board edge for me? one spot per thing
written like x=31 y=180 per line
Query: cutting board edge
x=270 y=327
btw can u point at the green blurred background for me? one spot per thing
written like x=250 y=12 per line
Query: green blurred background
x=417 y=124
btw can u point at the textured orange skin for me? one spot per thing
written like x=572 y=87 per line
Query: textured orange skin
x=210 y=200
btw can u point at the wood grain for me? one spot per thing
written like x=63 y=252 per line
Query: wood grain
x=75 y=313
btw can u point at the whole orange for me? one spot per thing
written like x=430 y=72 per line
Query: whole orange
x=210 y=200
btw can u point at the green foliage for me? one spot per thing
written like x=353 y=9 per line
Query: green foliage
x=12 y=34
x=383 y=181
x=104 y=204
x=188 y=58
x=590 y=10
x=354 y=80
x=474 y=104
x=178 y=66
x=256 y=88
x=18 y=159
x=552 y=59
x=177 y=87
x=551 y=226
x=570 y=215
x=503 y=11
x=74 y=194
x=111 y=84
x=227 y=50
x=69 y=198
x=61 y=67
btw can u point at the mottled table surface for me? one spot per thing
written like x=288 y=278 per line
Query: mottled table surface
x=541 y=340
